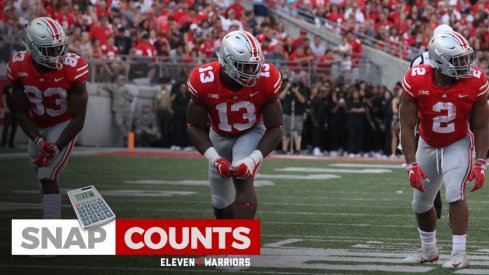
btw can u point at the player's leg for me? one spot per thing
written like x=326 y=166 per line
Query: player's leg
x=5 y=130
x=49 y=174
x=246 y=202
x=222 y=188
x=13 y=130
x=437 y=205
x=427 y=159
x=457 y=159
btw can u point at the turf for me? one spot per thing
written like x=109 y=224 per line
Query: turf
x=351 y=219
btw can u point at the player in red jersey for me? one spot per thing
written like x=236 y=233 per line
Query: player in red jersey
x=51 y=97
x=442 y=96
x=239 y=94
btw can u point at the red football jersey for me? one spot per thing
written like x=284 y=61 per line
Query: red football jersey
x=443 y=112
x=233 y=113
x=47 y=91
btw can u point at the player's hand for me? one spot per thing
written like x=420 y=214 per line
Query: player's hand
x=415 y=173
x=246 y=167
x=46 y=148
x=478 y=173
x=42 y=161
x=222 y=165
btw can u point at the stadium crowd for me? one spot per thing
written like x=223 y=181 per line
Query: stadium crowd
x=340 y=115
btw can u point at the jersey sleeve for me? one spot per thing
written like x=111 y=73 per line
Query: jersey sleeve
x=408 y=84
x=195 y=85
x=275 y=79
x=13 y=66
x=483 y=87
x=76 y=68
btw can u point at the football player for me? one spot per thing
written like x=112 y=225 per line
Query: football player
x=51 y=97
x=441 y=97
x=239 y=94
x=424 y=58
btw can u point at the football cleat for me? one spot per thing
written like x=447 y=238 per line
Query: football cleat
x=457 y=260
x=424 y=255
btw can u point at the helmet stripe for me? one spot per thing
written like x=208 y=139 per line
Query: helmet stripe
x=254 y=50
x=461 y=39
x=44 y=19
x=54 y=27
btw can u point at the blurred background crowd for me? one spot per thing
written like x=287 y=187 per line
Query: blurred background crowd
x=335 y=111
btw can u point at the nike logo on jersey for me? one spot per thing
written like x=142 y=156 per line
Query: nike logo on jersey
x=58 y=79
x=462 y=96
x=253 y=94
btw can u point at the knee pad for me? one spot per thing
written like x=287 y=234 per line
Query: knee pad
x=221 y=202
x=421 y=207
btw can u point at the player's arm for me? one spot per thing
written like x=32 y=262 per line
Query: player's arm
x=196 y=124
x=22 y=105
x=408 y=114
x=273 y=120
x=77 y=105
x=408 y=117
x=480 y=121
x=480 y=113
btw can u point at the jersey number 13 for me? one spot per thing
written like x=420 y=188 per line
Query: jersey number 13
x=248 y=114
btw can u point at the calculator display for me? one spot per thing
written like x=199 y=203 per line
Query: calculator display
x=84 y=195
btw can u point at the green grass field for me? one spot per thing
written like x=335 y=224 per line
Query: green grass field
x=359 y=222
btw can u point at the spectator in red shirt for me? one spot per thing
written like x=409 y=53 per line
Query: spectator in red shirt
x=356 y=47
x=298 y=42
x=144 y=48
x=237 y=7
x=65 y=18
x=102 y=31
x=207 y=48
x=325 y=63
x=334 y=14
x=109 y=50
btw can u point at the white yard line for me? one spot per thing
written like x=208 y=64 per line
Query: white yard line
x=471 y=270
x=333 y=170
x=298 y=177
x=257 y=183
x=366 y=165
x=284 y=242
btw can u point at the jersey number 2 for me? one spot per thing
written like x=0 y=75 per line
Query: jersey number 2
x=249 y=114
x=445 y=119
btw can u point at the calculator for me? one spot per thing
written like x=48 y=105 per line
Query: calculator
x=91 y=209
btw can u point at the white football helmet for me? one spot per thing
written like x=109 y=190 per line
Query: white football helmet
x=47 y=42
x=451 y=53
x=241 y=57
x=441 y=29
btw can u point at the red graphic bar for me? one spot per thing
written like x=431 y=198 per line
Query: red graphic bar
x=187 y=237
